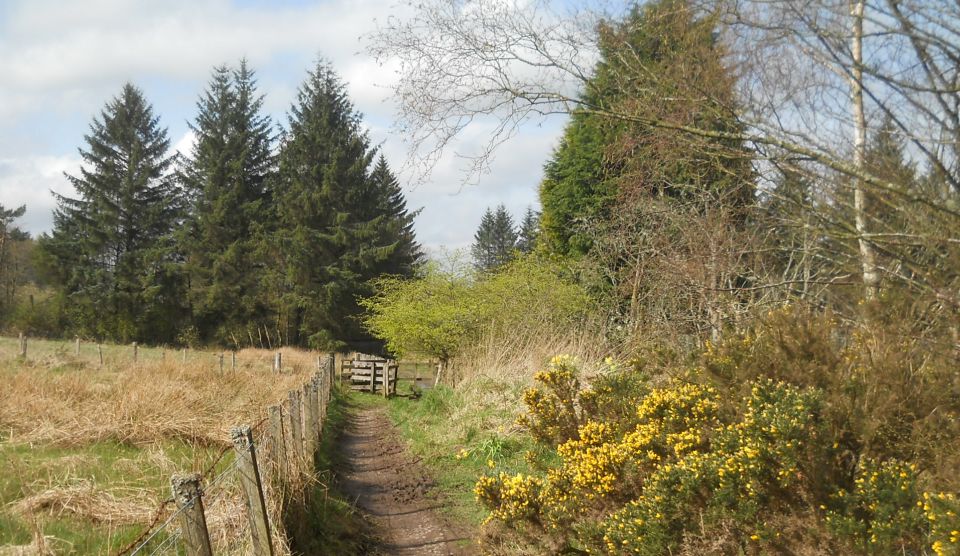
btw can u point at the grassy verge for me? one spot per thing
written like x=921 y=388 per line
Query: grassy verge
x=460 y=435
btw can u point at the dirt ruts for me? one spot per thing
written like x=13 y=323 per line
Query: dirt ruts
x=385 y=483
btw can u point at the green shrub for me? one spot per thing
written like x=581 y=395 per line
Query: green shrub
x=442 y=312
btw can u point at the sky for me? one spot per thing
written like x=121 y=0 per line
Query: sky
x=62 y=60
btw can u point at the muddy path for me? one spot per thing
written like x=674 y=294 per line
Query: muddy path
x=388 y=486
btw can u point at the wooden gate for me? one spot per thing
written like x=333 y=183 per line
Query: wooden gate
x=369 y=373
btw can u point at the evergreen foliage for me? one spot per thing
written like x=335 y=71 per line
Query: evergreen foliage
x=227 y=179
x=9 y=234
x=529 y=231
x=334 y=219
x=659 y=51
x=112 y=248
x=495 y=240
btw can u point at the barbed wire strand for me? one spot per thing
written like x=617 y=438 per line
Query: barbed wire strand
x=169 y=541
x=157 y=516
x=158 y=530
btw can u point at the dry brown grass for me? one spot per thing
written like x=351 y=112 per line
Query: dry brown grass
x=142 y=403
x=85 y=499
x=56 y=399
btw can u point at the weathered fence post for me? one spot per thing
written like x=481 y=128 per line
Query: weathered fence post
x=135 y=349
x=278 y=362
x=252 y=486
x=23 y=345
x=233 y=360
x=186 y=494
x=310 y=415
x=76 y=350
x=277 y=445
x=331 y=373
x=338 y=366
x=220 y=359
x=184 y=350
x=386 y=379
x=296 y=429
x=100 y=353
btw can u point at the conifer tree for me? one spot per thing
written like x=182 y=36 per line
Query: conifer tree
x=495 y=240
x=397 y=226
x=112 y=245
x=227 y=180
x=333 y=219
x=529 y=230
x=661 y=50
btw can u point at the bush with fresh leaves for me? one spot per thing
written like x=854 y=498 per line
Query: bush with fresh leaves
x=442 y=311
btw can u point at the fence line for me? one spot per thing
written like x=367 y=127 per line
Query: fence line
x=270 y=462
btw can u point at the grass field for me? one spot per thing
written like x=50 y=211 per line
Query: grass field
x=87 y=452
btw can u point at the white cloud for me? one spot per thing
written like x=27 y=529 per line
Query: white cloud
x=61 y=60
x=29 y=181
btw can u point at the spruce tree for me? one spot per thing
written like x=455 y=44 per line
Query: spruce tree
x=112 y=245
x=227 y=180
x=495 y=240
x=397 y=225
x=333 y=219
x=529 y=230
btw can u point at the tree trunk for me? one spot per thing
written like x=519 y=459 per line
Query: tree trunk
x=868 y=256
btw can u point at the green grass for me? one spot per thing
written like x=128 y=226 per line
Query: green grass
x=451 y=431
x=112 y=467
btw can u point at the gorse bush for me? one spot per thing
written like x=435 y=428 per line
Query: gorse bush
x=694 y=470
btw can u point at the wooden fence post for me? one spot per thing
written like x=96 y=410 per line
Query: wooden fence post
x=331 y=373
x=100 y=353
x=338 y=367
x=186 y=494
x=277 y=445
x=386 y=379
x=23 y=345
x=220 y=360
x=233 y=360
x=252 y=486
x=278 y=362
x=135 y=349
x=184 y=353
x=76 y=350
x=311 y=412
x=296 y=429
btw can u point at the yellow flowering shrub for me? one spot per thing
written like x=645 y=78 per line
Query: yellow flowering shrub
x=553 y=416
x=686 y=461
x=880 y=514
x=942 y=512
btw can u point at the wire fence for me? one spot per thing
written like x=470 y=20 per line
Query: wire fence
x=271 y=459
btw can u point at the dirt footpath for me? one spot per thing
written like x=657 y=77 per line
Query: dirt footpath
x=392 y=490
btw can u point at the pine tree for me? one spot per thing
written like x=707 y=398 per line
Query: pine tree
x=495 y=240
x=112 y=245
x=529 y=231
x=334 y=219
x=227 y=177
